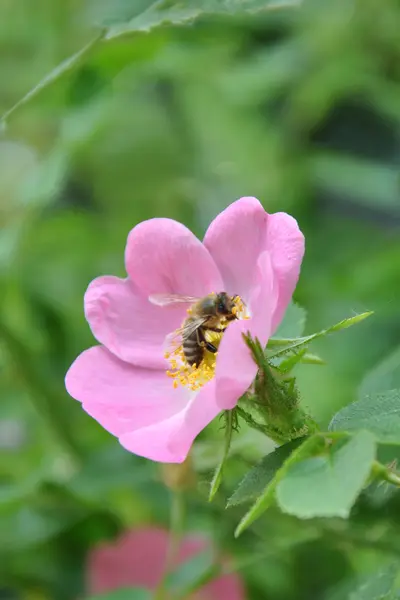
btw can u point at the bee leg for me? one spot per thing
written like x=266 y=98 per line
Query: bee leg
x=203 y=342
x=211 y=348
x=231 y=317
x=200 y=338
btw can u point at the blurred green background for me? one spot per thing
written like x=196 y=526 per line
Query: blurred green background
x=298 y=106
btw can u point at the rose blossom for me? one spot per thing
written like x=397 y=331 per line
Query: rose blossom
x=138 y=559
x=123 y=383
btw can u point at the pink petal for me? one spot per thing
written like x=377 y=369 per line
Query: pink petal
x=126 y=322
x=138 y=559
x=170 y=440
x=237 y=237
x=235 y=368
x=140 y=406
x=227 y=587
x=121 y=397
x=235 y=240
x=285 y=243
x=164 y=256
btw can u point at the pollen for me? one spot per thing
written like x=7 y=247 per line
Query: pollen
x=195 y=376
x=240 y=309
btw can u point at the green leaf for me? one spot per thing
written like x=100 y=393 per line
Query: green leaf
x=378 y=413
x=328 y=485
x=293 y=323
x=312 y=359
x=312 y=445
x=380 y=585
x=216 y=480
x=125 y=594
x=260 y=476
x=67 y=66
x=385 y=376
x=143 y=17
x=175 y=12
x=287 y=364
x=192 y=575
x=108 y=12
x=346 y=323
x=297 y=343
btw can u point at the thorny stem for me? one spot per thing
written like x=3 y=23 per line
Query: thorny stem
x=275 y=400
x=263 y=428
x=385 y=473
x=176 y=526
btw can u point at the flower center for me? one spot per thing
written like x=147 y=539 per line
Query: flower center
x=192 y=361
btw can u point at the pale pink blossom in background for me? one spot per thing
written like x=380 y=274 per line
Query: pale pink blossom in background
x=137 y=559
x=122 y=383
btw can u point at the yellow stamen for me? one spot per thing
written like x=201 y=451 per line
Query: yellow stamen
x=195 y=376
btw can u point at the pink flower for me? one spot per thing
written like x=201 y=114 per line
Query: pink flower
x=138 y=559
x=123 y=383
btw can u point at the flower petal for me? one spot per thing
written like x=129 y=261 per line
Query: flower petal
x=237 y=237
x=285 y=243
x=169 y=441
x=136 y=558
x=263 y=300
x=235 y=240
x=226 y=587
x=124 y=320
x=119 y=396
x=162 y=255
x=235 y=368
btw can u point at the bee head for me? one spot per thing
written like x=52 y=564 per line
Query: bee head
x=224 y=304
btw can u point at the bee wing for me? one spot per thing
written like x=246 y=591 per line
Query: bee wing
x=168 y=299
x=174 y=340
x=189 y=327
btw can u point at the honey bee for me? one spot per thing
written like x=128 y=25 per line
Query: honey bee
x=212 y=313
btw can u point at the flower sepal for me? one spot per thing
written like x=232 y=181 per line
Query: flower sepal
x=273 y=403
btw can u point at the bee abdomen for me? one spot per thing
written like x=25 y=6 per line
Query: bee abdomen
x=192 y=350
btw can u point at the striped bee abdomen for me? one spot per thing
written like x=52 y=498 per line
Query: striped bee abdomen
x=192 y=350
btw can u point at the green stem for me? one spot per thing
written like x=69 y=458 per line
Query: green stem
x=216 y=480
x=176 y=527
x=384 y=473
